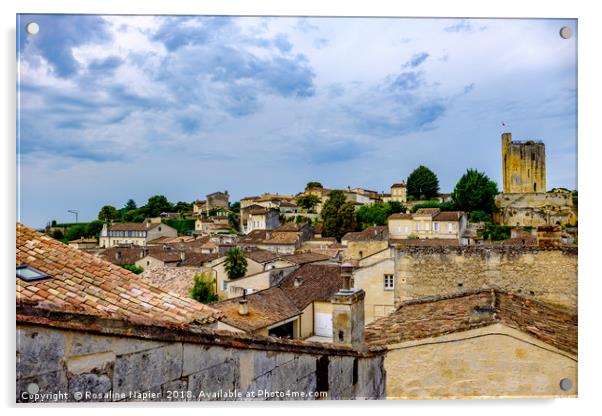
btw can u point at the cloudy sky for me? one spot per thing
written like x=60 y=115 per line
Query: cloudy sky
x=120 y=107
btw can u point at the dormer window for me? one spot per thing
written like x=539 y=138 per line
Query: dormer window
x=30 y=274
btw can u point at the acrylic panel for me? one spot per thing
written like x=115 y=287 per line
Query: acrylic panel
x=295 y=208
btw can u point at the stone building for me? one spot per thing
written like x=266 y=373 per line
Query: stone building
x=525 y=201
x=428 y=223
x=88 y=330
x=475 y=344
x=523 y=165
x=398 y=193
x=546 y=274
x=135 y=233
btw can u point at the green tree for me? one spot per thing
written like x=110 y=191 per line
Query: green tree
x=182 y=207
x=133 y=268
x=130 y=205
x=313 y=184
x=307 y=202
x=396 y=206
x=93 y=228
x=496 y=232
x=58 y=235
x=373 y=214
x=203 y=289
x=236 y=263
x=475 y=192
x=75 y=232
x=235 y=207
x=108 y=213
x=156 y=205
x=423 y=183
x=338 y=216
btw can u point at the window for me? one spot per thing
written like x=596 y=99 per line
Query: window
x=398 y=230
x=389 y=282
x=224 y=285
x=450 y=227
x=29 y=274
x=436 y=226
x=417 y=226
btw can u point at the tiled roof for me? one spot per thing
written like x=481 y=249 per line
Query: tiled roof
x=177 y=280
x=398 y=185
x=279 y=303
x=266 y=307
x=304 y=258
x=427 y=211
x=84 y=240
x=197 y=259
x=170 y=256
x=290 y=227
x=133 y=226
x=82 y=283
x=400 y=216
x=448 y=216
x=254 y=236
x=375 y=233
x=282 y=238
x=440 y=315
x=262 y=256
x=319 y=282
x=424 y=242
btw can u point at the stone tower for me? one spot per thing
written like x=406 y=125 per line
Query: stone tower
x=348 y=313
x=523 y=165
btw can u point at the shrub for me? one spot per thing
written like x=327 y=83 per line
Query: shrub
x=479 y=216
x=133 y=268
x=203 y=289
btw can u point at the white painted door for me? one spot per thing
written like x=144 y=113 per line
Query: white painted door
x=323 y=324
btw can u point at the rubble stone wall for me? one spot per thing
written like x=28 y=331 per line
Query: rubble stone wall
x=546 y=275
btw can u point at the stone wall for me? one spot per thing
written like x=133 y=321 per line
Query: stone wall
x=484 y=362
x=170 y=365
x=533 y=209
x=546 y=275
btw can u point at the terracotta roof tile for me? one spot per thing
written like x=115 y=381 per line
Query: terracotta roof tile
x=440 y=315
x=80 y=282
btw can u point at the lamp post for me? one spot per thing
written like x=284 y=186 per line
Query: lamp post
x=72 y=211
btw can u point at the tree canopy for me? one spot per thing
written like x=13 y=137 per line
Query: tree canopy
x=307 y=202
x=235 y=264
x=423 y=183
x=338 y=216
x=130 y=205
x=203 y=289
x=313 y=184
x=377 y=214
x=108 y=213
x=475 y=192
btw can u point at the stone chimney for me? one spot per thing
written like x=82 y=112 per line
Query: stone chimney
x=348 y=313
x=182 y=255
x=298 y=281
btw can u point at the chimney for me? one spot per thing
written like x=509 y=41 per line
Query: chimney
x=348 y=313
x=182 y=255
x=346 y=273
x=243 y=306
x=298 y=281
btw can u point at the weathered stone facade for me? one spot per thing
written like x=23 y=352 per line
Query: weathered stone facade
x=523 y=165
x=493 y=361
x=534 y=209
x=546 y=275
x=97 y=358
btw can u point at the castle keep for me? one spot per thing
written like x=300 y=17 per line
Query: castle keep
x=525 y=201
x=523 y=165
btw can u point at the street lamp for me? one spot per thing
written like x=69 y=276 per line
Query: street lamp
x=72 y=211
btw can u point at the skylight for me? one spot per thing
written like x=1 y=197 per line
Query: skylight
x=29 y=274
